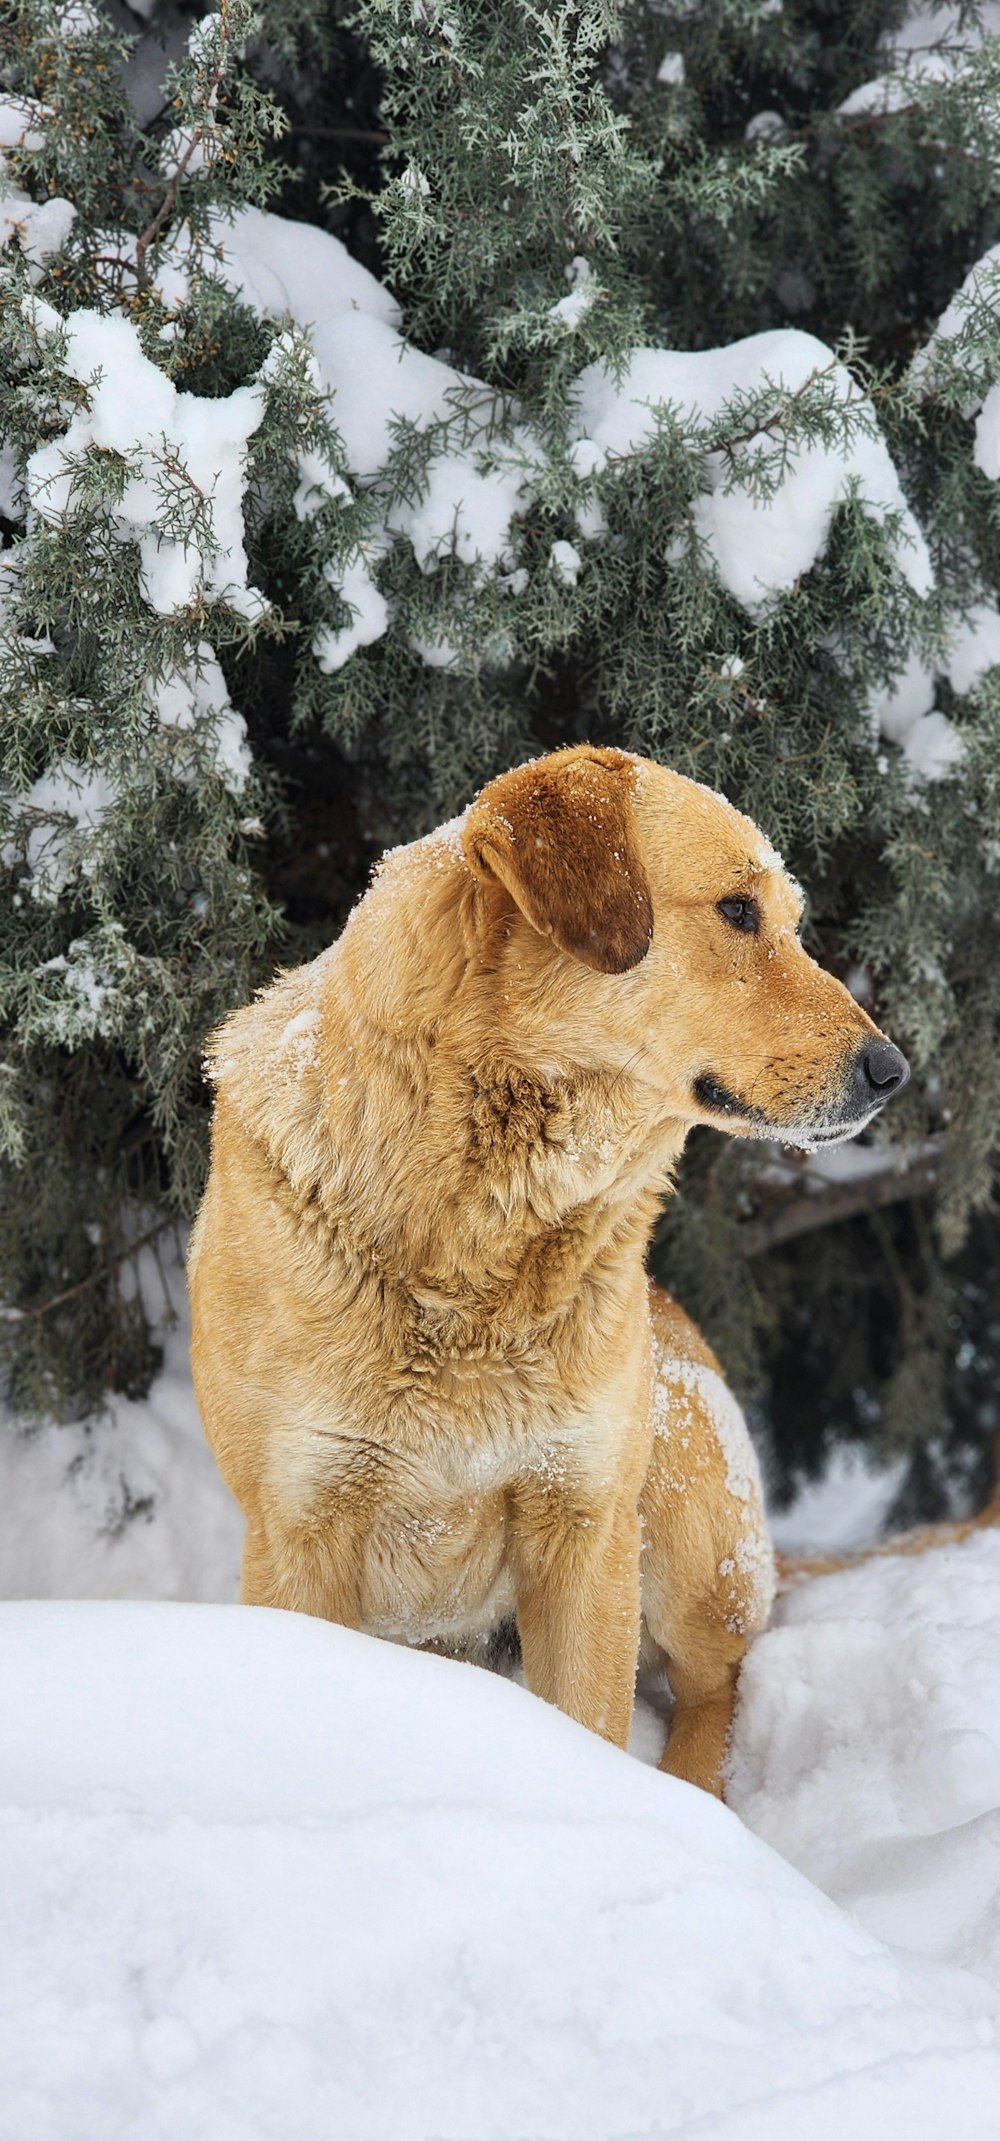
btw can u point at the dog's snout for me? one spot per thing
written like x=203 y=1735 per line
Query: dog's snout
x=881 y=1070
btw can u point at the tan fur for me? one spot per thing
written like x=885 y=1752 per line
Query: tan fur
x=423 y=1345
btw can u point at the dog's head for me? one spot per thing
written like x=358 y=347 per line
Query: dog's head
x=657 y=931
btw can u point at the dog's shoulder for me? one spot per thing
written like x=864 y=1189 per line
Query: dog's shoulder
x=266 y=1065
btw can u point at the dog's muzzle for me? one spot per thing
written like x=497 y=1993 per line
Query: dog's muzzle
x=880 y=1071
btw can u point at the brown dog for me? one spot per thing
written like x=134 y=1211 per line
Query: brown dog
x=424 y=1347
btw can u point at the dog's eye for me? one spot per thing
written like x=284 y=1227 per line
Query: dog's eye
x=741 y=914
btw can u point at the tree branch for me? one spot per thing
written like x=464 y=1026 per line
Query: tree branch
x=179 y=173
x=913 y=1176
x=40 y=1309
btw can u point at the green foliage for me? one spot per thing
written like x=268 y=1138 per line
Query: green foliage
x=552 y=188
x=131 y=913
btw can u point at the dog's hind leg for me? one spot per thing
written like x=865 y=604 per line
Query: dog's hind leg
x=702 y=1658
x=707 y=1563
x=707 y=1580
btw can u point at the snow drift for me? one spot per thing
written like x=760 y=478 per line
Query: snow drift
x=265 y=1877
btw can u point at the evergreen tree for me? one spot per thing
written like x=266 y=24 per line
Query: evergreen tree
x=691 y=443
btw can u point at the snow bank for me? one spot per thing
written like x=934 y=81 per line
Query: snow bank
x=128 y=1503
x=761 y=544
x=262 y=1877
x=868 y=1746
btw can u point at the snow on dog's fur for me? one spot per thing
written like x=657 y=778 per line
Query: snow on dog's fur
x=424 y=1347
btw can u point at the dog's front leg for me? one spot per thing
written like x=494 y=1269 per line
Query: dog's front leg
x=578 y=1604
x=305 y=1568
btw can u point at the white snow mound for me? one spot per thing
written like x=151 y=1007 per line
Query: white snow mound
x=263 y=1877
x=867 y=1746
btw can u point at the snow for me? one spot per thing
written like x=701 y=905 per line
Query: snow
x=265 y=1876
x=319 y=484
x=948 y=344
x=482 y=466
x=477 y=467
x=571 y=309
x=566 y=562
x=761 y=545
x=671 y=69
x=38 y=227
x=437 y=653
x=978 y=288
x=79 y=19
x=282 y=268
x=187 y=449
x=355 y=586
x=11 y=488
x=845 y=1508
x=933 y=747
x=845 y=1163
x=903 y=702
x=62 y=811
x=904 y=714
x=974 y=648
x=765 y=126
x=260 y=1875
x=475 y=482
x=194 y=697
x=20 y=123
x=128 y=1503
x=933 y=44
x=879 y=1689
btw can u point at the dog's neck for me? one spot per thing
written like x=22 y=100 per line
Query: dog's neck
x=459 y=1157
x=494 y=1187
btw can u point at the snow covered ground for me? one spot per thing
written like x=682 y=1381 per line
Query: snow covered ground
x=263 y=1878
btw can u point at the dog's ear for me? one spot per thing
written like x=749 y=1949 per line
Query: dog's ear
x=560 y=836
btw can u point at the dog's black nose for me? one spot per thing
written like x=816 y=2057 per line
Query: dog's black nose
x=881 y=1071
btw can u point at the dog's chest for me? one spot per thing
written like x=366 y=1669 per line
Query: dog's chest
x=438 y=1560
x=432 y=1486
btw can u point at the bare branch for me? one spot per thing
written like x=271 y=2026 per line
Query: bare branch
x=41 y=1309
x=907 y=1175
x=179 y=173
